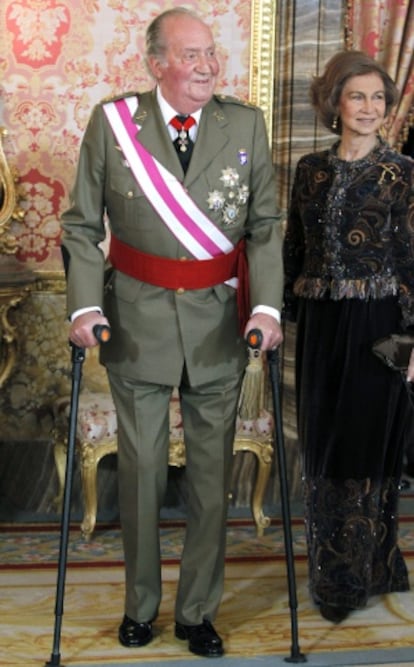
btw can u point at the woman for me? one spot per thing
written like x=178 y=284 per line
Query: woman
x=350 y=280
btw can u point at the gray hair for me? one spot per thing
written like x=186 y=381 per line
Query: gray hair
x=155 y=36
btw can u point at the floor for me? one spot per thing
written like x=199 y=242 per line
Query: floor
x=254 y=619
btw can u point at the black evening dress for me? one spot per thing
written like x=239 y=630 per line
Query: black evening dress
x=344 y=271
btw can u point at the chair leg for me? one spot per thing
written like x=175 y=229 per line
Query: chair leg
x=264 y=454
x=59 y=453
x=89 y=474
x=264 y=460
x=90 y=455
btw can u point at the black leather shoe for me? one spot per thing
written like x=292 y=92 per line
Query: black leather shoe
x=333 y=613
x=132 y=634
x=202 y=639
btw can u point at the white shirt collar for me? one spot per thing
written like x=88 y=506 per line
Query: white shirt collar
x=168 y=112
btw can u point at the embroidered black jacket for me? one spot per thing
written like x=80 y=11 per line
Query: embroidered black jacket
x=350 y=231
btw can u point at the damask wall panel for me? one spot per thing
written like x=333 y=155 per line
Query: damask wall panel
x=57 y=59
x=60 y=57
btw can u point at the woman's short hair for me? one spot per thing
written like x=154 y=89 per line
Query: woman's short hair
x=325 y=90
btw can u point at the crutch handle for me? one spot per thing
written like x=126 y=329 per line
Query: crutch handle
x=102 y=333
x=254 y=338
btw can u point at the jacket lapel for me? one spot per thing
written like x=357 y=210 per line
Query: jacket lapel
x=153 y=134
x=211 y=138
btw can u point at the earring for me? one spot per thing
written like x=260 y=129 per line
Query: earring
x=335 y=123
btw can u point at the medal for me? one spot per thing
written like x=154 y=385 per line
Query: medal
x=182 y=125
x=242 y=155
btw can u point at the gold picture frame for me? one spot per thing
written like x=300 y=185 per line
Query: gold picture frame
x=262 y=58
x=9 y=208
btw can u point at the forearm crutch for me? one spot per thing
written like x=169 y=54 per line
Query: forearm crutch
x=254 y=340
x=102 y=334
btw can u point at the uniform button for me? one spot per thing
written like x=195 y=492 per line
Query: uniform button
x=180 y=290
x=130 y=194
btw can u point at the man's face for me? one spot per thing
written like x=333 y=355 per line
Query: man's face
x=187 y=72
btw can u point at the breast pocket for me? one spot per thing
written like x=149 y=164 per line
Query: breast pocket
x=127 y=204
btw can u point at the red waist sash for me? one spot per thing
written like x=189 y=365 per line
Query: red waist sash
x=185 y=273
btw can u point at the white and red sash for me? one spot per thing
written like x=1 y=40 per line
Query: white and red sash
x=189 y=224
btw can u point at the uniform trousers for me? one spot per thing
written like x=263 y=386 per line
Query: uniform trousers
x=209 y=418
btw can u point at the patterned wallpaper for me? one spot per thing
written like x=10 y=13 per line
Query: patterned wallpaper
x=57 y=59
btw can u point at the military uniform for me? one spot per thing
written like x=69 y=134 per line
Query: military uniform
x=163 y=338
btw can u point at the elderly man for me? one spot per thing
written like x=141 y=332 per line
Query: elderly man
x=181 y=230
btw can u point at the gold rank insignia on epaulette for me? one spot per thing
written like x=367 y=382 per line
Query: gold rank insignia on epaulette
x=120 y=96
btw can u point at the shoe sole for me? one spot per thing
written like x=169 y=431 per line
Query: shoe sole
x=134 y=644
x=182 y=636
x=210 y=654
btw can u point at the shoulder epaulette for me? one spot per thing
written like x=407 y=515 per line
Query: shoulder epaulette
x=229 y=99
x=115 y=98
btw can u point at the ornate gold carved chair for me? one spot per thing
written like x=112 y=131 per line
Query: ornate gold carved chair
x=15 y=279
x=97 y=437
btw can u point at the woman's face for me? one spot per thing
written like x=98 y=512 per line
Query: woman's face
x=362 y=105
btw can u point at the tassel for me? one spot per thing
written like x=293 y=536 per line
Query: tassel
x=251 y=395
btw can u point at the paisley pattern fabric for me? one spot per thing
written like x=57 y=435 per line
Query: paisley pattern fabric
x=352 y=536
x=358 y=220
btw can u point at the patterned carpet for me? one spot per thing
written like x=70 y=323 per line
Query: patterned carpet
x=254 y=618
x=37 y=545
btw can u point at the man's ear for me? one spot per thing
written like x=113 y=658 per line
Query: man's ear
x=155 y=66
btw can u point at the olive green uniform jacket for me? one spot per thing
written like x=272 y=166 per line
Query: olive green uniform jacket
x=155 y=330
